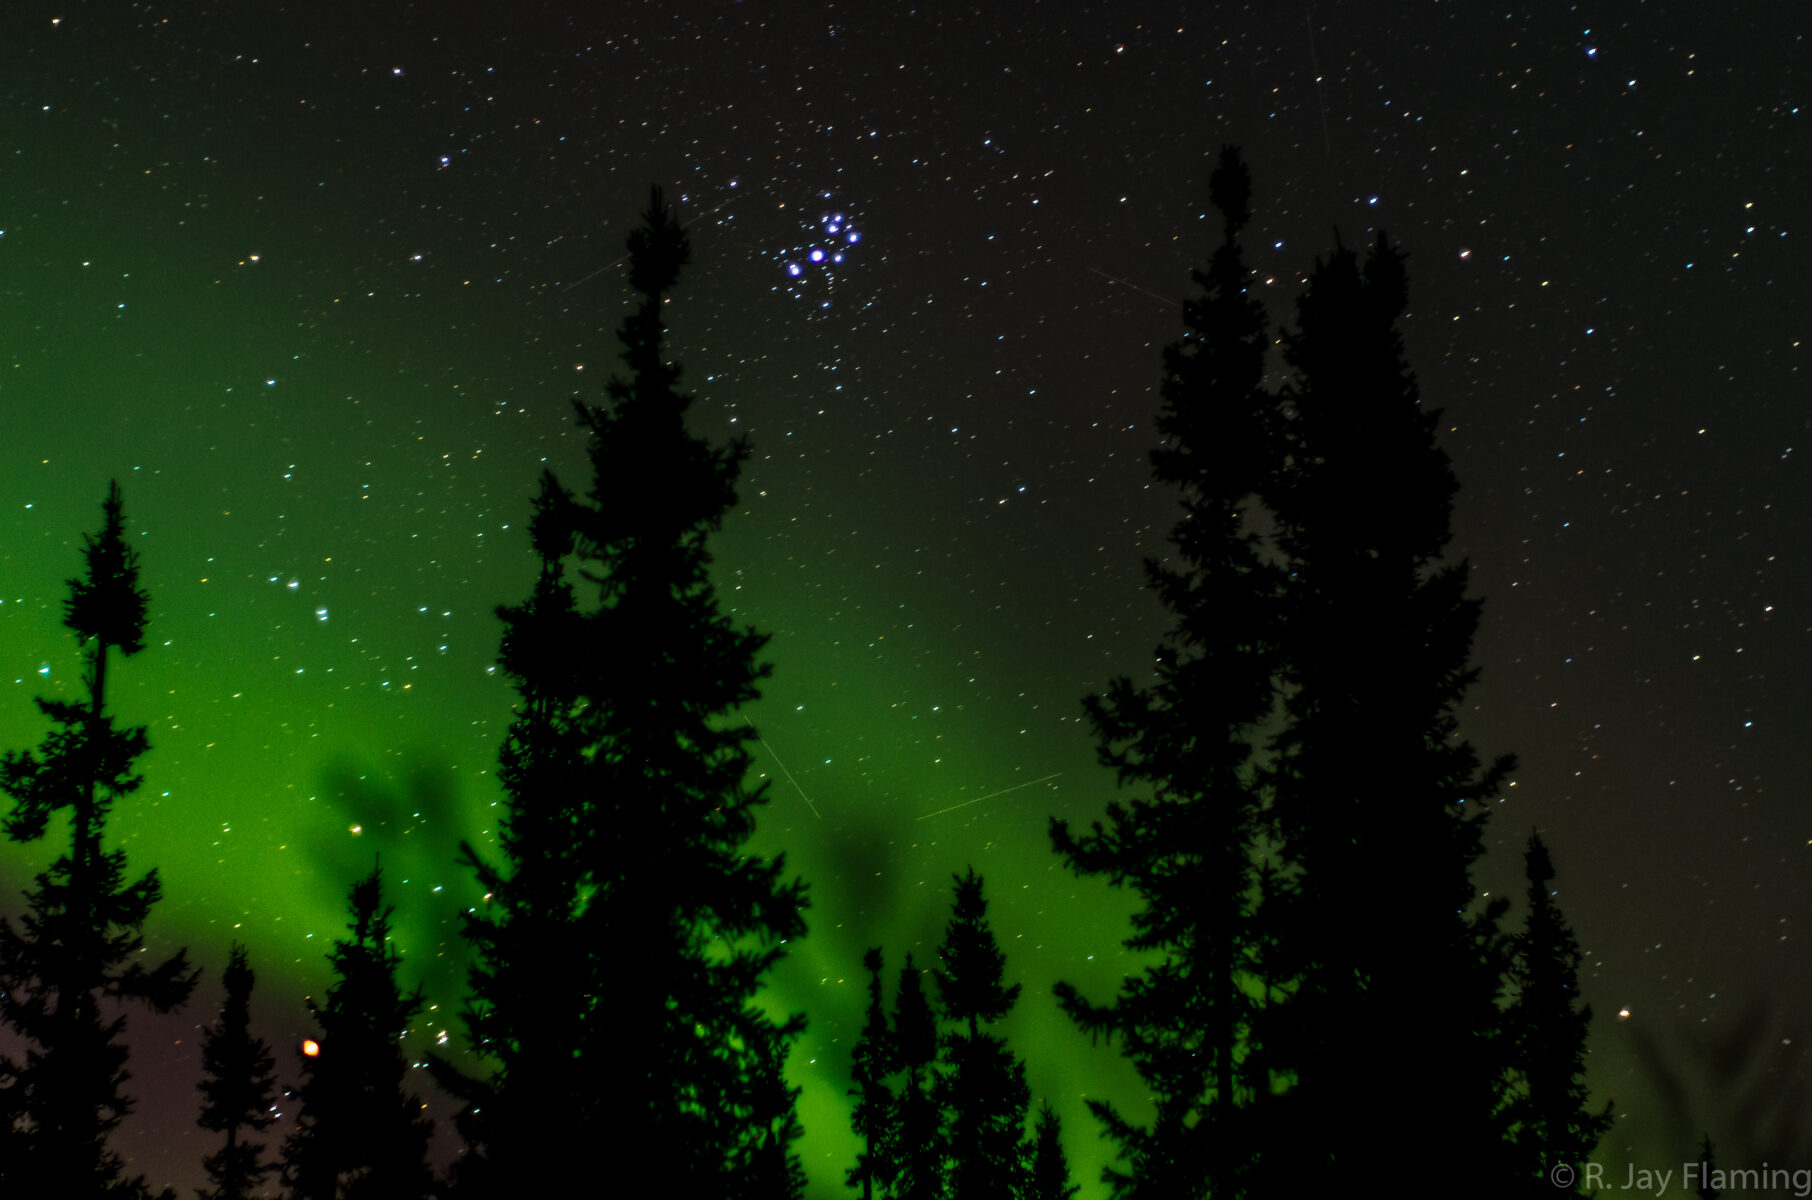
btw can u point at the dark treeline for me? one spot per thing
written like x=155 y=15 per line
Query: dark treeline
x=1325 y=1002
x=1331 y=1005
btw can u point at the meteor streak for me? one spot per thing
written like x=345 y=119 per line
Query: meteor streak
x=1167 y=301
x=625 y=258
x=782 y=766
x=1003 y=791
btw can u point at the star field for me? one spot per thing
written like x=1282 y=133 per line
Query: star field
x=318 y=284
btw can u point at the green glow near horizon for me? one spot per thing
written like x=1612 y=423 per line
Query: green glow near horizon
x=283 y=760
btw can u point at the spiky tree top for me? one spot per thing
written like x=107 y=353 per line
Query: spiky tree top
x=80 y=940
x=628 y=929
x=238 y=1088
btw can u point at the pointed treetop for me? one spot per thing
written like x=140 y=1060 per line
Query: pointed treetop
x=658 y=248
x=550 y=525
x=1708 y=1172
x=1386 y=278
x=1050 y=1178
x=239 y=1085
x=238 y=976
x=1539 y=865
x=367 y=894
x=1230 y=190
x=969 y=986
x=915 y=1028
x=107 y=603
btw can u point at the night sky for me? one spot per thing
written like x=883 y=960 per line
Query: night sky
x=317 y=283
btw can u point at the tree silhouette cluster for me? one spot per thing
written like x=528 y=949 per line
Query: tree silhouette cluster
x=1324 y=977
x=941 y=1102
x=622 y=848
x=1327 y=1004
x=77 y=953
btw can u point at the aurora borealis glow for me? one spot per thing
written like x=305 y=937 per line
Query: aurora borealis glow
x=316 y=283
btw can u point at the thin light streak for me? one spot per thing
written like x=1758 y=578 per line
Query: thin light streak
x=782 y=766
x=611 y=266
x=588 y=278
x=1003 y=791
x=1315 y=61
x=1166 y=301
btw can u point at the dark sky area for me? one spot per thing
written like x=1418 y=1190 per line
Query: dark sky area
x=317 y=283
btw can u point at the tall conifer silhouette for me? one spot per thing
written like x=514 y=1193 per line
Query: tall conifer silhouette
x=238 y=1089
x=1050 y=1178
x=1323 y=1004
x=360 y=1134
x=628 y=929
x=919 y=1126
x=1187 y=844
x=983 y=1094
x=773 y=1170
x=1398 y=971
x=1553 y=1122
x=529 y=979
x=871 y=1062
x=80 y=941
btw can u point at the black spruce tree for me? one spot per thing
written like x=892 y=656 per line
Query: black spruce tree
x=871 y=1062
x=772 y=1105
x=238 y=1088
x=80 y=944
x=983 y=1090
x=918 y=1125
x=1396 y=970
x=1550 y=1115
x=1188 y=847
x=1050 y=1179
x=360 y=1134
x=529 y=978
x=629 y=930
x=1322 y=1006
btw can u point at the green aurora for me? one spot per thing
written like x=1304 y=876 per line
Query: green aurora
x=317 y=290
